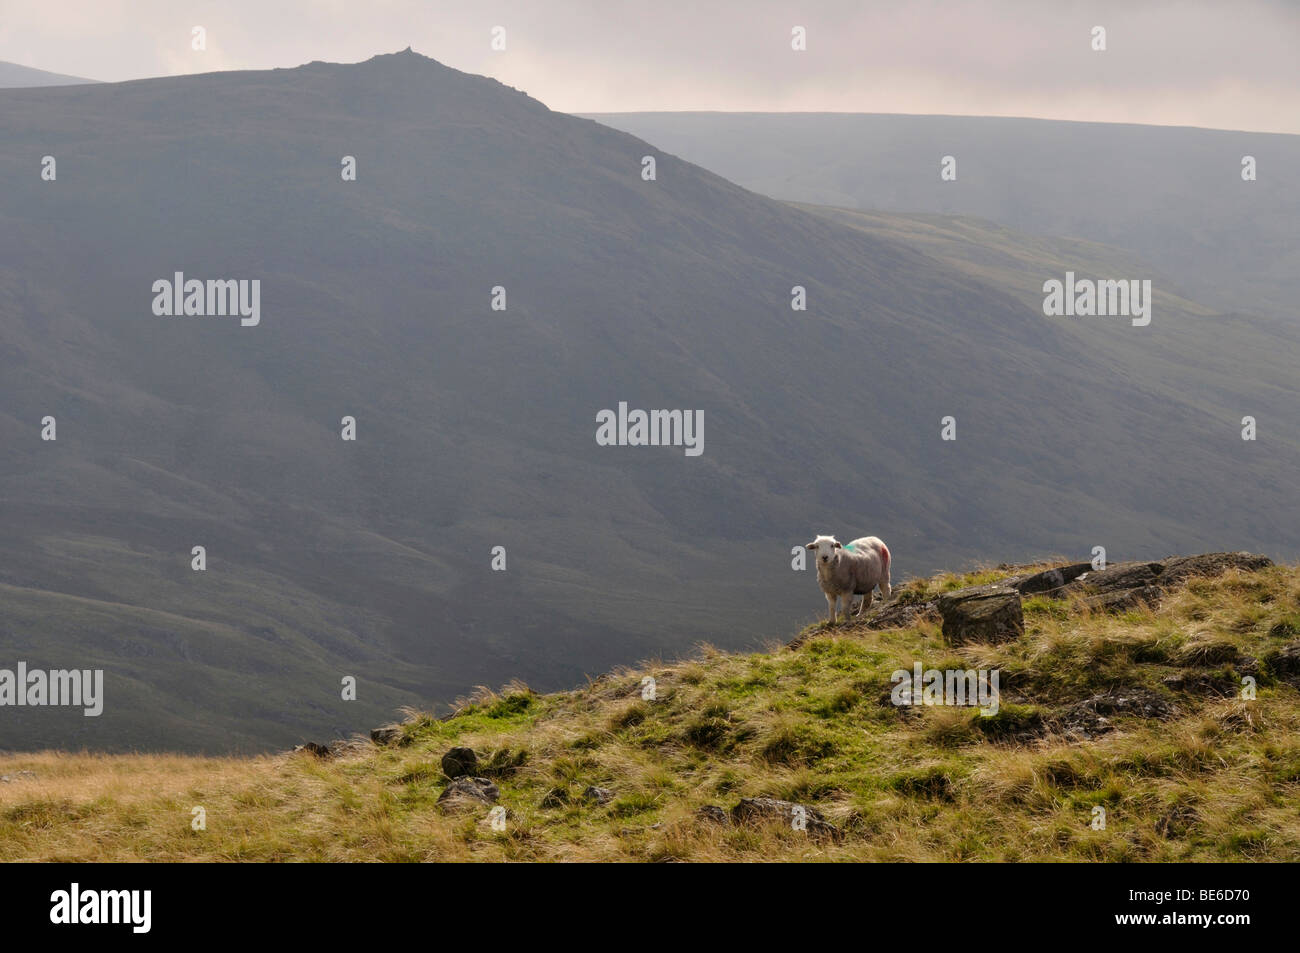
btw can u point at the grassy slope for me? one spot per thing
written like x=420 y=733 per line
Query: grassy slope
x=1219 y=780
x=1185 y=334
x=1173 y=192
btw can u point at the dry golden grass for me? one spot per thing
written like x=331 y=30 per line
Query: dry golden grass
x=1217 y=781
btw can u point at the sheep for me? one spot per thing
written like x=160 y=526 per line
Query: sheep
x=845 y=572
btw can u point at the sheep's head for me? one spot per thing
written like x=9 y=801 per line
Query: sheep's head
x=823 y=547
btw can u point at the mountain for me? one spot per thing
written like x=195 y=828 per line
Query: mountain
x=1117 y=737
x=1173 y=195
x=13 y=76
x=476 y=428
x=1017 y=262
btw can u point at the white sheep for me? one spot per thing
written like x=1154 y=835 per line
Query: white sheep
x=845 y=572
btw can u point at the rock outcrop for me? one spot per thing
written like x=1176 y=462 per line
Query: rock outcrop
x=1126 y=585
x=1047 y=581
x=981 y=614
x=991 y=613
x=1092 y=717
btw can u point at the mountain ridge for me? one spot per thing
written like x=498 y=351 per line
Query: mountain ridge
x=15 y=76
x=1174 y=194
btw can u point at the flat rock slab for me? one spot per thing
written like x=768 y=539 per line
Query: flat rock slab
x=981 y=614
x=1092 y=716
x=1049 y=581
x=1121 y=600
x=1166 y=572
x=900 y=615
x=464 y=792
x=1118 y=576
x=753 y=810
x=1178 y=568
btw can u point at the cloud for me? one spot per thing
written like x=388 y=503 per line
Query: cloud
x=1187 y=63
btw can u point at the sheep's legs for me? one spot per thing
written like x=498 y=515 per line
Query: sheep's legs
x=830 y=602
x=866 y=602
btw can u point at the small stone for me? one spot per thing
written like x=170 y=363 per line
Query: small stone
x=459 y=762
x=387 y=735
x=712 y=814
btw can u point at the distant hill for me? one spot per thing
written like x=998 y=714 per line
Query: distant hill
x=1173 y=196
x=476 y=427
x=13 y=76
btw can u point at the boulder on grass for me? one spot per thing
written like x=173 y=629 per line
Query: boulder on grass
x=753 y=810
x=981 y=614
x=1178 y=568
x=459 y=762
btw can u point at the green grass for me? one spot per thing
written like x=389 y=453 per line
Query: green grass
x=1217 y=781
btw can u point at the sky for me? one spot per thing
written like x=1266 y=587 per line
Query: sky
x=1227 y=64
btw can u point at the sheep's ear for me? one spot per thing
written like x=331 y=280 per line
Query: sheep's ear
x=839 y=545
x=812 y=545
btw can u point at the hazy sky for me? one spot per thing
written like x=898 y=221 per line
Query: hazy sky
x=1231 y=64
